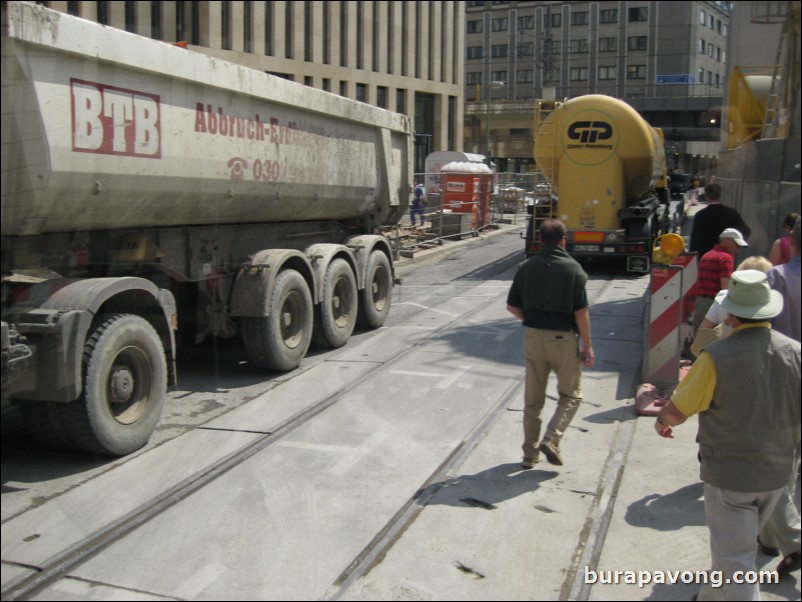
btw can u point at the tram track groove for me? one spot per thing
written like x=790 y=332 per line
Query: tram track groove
x=60 y=564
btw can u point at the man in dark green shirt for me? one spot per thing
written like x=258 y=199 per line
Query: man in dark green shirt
x=548 y=295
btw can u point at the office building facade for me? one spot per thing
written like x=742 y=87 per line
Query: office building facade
x=666 y=59
x=402 y=56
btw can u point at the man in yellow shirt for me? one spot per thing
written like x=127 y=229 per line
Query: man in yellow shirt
x=746 y=390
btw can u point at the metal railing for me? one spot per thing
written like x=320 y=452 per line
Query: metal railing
x=510 y=195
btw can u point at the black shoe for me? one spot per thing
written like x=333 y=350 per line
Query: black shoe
x=789 y=564
x=767 y=550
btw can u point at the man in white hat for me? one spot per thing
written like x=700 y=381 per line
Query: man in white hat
x=746 y=390
x=715 y=268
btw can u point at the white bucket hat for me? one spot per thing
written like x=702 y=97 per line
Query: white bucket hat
x=734 y=235
x=749 y=296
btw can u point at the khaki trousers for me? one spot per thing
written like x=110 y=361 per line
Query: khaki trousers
x=700 y=308
x=544 y=351
x=734 y=519
x=783 y=530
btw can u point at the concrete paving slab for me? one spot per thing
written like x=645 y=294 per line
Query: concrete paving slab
x=10 y=573
x=73 y=589
x=658 y=524
x=42 y=533
x=524 y=547
x=291 y=397
x=260 y=535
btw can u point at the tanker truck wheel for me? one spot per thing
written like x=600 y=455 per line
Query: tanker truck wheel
x=280 y=340
x=376 y=297
x=125 y=383
x=335 y=317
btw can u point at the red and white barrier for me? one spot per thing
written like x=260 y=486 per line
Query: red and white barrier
x=667 y=331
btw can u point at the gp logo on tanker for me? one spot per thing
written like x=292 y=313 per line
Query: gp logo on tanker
x=591 y=138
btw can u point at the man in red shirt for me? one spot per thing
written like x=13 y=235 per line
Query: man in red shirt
x=715 y=269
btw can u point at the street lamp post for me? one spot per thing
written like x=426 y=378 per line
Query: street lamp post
x=496 y=85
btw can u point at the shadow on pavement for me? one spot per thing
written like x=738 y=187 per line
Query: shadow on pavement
x=684 y=507
x=486 y=488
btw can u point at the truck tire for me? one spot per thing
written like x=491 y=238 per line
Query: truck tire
x=280 y=340
x=125 y=383
x=376 y=297
x=336 y=314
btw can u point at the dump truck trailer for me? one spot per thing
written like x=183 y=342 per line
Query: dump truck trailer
x=154 y=196
x=606 y=165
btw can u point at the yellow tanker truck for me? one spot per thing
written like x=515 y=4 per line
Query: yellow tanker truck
x=606 y=165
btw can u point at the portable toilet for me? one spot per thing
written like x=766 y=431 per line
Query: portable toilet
x=434 y=164
x=467 y=189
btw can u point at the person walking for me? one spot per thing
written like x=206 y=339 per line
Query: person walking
x=709 y=222
x=548 y=294
x=781 y=248
x=746 y=391
x=785 y=278
x=714 y=272
x=418 y=204
x=782 y=533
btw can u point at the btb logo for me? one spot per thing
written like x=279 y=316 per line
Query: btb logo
x=589 y=132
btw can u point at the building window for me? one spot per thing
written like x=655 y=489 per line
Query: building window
x=701 y=75
x=608 y=44
x=636 y=72
x=473 y=78
x=636 y=43
x=527 y=49
x=130 y=17
x=247 y=26
x=526 y=22
x=579 y=46
x=702 y=17
x=288 y=39
x=103 y=12
x=500 y=24
x=609 y=15
x=308 y=53
x=606 y=73
x=525 y=76
x=401 y=101
x=155 y=19
x=579 y=74
x=499 y=50
x=640 y=13
x=381 y=97
x=554 y=20
x=268 y=29
x=474 y=52
x=475 y=27
x=225 y=25
x=702 y=46
x=498 y=76
x=712 y=22
x=580 y=18
x=362 y=92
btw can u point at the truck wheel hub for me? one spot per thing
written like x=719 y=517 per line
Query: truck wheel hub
x=122 y=385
